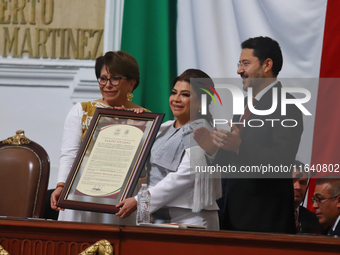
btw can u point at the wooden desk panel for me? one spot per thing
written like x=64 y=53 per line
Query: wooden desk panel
x=152 y=241
x=40 y=237
x=35 y=237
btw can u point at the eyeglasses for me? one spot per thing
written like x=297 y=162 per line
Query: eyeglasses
x=244 y=64
x=102 y=80
x=319 y=200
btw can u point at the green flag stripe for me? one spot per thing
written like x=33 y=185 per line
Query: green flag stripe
x=149 y=34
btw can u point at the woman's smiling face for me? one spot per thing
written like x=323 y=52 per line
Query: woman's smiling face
x=114 y=95
x=180 y=99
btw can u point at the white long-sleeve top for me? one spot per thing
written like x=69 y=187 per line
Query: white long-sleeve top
x=71 y=141
x=177 y=187
x=70 y=145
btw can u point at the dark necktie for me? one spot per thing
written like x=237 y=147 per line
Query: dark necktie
x=246 y=114
x=297 y=223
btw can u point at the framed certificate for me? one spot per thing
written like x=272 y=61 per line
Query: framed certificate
x=110 y=160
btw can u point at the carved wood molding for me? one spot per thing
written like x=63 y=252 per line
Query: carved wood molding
x=17 y=139
x=42 y=247
x=41 y=237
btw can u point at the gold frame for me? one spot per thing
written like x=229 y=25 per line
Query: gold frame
x=77 y=193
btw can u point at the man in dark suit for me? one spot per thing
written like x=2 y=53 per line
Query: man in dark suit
x=326 y=202
x=305 y=220
x=258 y=201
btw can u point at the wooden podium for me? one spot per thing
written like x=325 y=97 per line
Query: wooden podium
x=41 y=237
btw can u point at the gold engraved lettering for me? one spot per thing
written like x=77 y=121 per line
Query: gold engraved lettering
x=98 y=39
x=28 y=29
x=40 y=44
x=33 y=7
x=55 y=33
x=27 y=40
x=11 y=43
x=83 y=43
x=3 y=8
x=44 y=8
x=71 y=42
x=62 y=43
x=18 y=9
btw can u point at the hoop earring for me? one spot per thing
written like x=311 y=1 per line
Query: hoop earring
x=129 y=96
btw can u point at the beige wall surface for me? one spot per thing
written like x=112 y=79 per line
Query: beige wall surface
x=52 y=29
x=36 y=94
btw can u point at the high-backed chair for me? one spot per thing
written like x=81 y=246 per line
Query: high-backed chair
x=24 y=175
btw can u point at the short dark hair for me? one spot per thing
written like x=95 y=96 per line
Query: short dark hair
x=196 y=73
x=119 y=62
x=333 y=181
x=264 y=48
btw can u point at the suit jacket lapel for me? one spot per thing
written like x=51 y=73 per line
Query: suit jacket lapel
x=337 y=229
x=236 y=118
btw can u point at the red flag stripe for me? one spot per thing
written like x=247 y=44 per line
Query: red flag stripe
x=326 y=128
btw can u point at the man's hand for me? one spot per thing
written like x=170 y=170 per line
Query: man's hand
x=227 y=140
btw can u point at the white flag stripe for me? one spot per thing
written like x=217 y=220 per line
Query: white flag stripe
x=209 y=34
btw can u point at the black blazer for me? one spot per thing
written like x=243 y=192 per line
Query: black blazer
x=255 y=201
x=309 y=223
x=330 y=232
x=336 y=232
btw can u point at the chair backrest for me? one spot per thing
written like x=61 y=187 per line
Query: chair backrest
x=24 y=175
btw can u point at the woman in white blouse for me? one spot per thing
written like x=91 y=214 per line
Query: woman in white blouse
x=178 y=194
x=118 y=75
